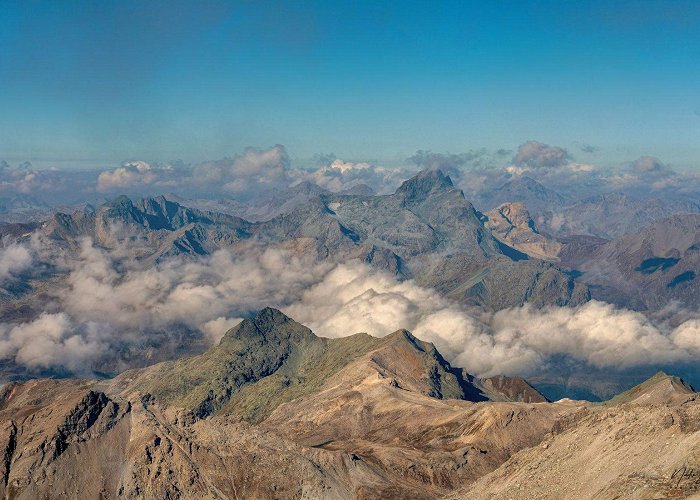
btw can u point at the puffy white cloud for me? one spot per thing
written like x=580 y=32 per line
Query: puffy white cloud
x=253 y=170
x=248 y=173
x=109 y=303
x=687 y=336
x=52 y=340
x=137 y=174
x=596 y=332
x=129 y=174
x=343 y=176
x=648 y=175
x=14 y=259
x=345 y=166
x=25 y=179
x=216 y=328
x=513 y=341
x=178 y=291
x=647 y=165
x=535 y=154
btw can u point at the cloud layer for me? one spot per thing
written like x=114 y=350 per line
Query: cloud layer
x=535 y=154
x=511 y=341
x=250 y=172
x=255 y=172
x=108 y=309
x=107 y=305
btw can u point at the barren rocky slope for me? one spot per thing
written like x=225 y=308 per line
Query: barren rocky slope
x=291 y=415
x=645 y=444
x=511 y=224
x=612 y=215
x=646 y=269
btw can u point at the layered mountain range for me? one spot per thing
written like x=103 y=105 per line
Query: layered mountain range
x=646 y=269
x=274 y=411
x=426 y=230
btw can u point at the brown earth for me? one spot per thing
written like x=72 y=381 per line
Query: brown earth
x=349 y=418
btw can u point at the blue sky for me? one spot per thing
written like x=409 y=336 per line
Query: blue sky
x=106 y=81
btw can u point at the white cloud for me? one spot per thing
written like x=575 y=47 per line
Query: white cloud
x=252 y=170
x=647 y=165
x=345 y=166
x=215 y=329
x=535 y=154
x=342 y=175
x=25 y=179
x=136 y=174
x=52 y=340
x=109 y=301
x=14 y=259
x=513 y=341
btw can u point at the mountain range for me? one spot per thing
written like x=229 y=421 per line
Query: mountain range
x=273 y=411
x=646 y=269
x=426 y=230
x=612 y=215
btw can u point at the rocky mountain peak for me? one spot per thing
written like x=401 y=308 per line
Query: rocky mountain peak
x=268 y=323
x=120 y=202
x=269 y=318
x=425 y=182
x=152 y=212
x=400 y=336
x=516 y=214
x=512 y=225
x=417 y=365
x=659 y=389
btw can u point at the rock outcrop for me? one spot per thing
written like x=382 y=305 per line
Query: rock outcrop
x=512 y=225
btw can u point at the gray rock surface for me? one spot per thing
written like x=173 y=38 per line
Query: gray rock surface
x=426 y=225
x=647 y=269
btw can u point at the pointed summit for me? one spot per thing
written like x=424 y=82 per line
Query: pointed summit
x=659 y=389
x=268 y=323
x=425 y=182
x=270 y=314
x=418 y=366
x=256 y=348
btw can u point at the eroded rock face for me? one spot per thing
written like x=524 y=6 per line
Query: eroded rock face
x=94 y=415
x=511 y=224
x=59 y=437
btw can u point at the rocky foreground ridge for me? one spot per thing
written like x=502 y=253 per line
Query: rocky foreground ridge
x=274 y=411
